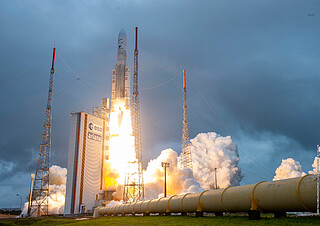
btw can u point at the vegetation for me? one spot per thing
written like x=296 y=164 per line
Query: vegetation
x=162 y=220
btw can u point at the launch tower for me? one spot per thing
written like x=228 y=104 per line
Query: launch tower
x=134 y=185
x=186 y=158
x=41 y=183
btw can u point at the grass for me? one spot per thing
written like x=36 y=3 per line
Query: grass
x=162 y=220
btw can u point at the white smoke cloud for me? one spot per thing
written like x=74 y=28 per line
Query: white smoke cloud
x=118 y=194
x=57 y=188
x=210 y=151
x=314 y=165
x=178 y=180
x=112 y=203
x=289 y=168
x=58 y=175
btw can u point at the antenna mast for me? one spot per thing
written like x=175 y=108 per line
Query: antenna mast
x=134 y=185
x=41 y=182
x=186 y=157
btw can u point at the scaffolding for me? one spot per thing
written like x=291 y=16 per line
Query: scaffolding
x=102 y=111
x=186 y=158
x=134 y=185
x=40 y=192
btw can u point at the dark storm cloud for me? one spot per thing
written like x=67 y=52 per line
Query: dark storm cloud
x=252 y=70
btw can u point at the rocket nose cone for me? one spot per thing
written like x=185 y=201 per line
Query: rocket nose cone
x=122 y=34
x=122 y=43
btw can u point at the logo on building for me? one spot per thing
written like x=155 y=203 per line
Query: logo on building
x=95 y=128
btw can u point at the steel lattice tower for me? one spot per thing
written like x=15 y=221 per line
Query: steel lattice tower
x=40 y=191
x=186 y=158
x=134 y=185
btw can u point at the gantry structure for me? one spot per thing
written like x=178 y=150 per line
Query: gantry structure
x=40 y=193
x=186 y=157
x=134 y=185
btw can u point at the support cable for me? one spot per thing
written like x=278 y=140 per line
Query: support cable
x=225 y=127
x=161 y=84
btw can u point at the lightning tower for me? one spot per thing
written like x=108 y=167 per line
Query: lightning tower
x=134 y=185
x=186 y=158
x=41 y=182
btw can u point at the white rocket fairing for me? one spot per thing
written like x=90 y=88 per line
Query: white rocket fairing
x=121 y=73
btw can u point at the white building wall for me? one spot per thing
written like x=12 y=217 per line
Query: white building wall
x=85 y=162
x=71 y=162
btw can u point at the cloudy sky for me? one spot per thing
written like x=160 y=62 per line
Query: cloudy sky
x=252 y=68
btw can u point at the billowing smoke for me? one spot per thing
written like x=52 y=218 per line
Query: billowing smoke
x=118 y=194
x=289 y=168
x=112 y=203
x=314 y=165
x=57 y=181
x=178 y=180
x=210 y=151
x=57 y=187
x=58 y=175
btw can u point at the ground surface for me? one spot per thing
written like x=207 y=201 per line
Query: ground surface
x=161 y=220
x=7 y=216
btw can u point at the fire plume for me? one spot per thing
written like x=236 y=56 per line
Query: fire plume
x=121 y=145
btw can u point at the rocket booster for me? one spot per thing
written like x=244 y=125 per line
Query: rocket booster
x=121 y=72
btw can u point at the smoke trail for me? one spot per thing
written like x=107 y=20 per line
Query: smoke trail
x=289 y=168
x=57 y=188
x=210 y=151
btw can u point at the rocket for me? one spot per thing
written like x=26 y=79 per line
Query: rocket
x=121 y=73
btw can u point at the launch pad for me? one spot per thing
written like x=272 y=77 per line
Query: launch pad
x=105 y=156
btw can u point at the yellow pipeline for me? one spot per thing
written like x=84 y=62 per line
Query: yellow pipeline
x=291 y=195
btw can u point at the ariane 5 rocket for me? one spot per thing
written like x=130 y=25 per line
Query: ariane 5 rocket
x=121 y=74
